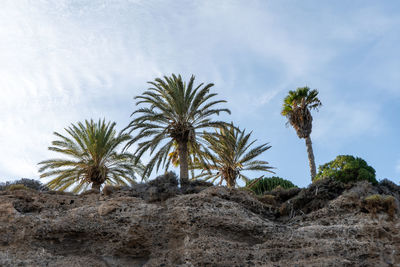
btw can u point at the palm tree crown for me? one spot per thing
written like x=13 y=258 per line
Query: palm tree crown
x=92 y=158
x=296 y=108
x=175 y=111
x=229 y=153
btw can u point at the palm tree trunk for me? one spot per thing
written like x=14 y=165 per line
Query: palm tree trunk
x=311 y=159
x=183 y=162
x=96 y=186
x=231 y=179
x=230 y=183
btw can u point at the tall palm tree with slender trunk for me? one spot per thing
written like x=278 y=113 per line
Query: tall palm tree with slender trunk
x=229 y=154
x=297 y=107
x=91 y=157
x=174 y=112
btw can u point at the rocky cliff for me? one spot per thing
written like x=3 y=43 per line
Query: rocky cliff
x=159 y=224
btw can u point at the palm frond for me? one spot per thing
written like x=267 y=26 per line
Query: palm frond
x=175 y=110
x=228 y=153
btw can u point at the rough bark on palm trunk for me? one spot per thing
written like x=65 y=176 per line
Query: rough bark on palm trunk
x=230 y=178
x=183 y=162
x=311 y=157
x=301 y=120
x=230 y=182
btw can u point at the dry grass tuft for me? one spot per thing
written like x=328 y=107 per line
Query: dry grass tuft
x=14 y=187
x=109 y=189
x=268 y=199
x=379 y=203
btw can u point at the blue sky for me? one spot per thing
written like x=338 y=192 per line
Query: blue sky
x=66 y=61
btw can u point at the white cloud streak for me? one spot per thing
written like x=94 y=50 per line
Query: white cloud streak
x=340 y=122
x=64 y=61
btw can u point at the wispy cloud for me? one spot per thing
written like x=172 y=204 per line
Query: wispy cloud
x=65 y=61
x=58 y=67
x=340 y=122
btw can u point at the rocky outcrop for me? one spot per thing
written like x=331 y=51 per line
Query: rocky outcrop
x=162 y=225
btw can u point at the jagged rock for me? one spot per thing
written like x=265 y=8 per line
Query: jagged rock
x=313 y=198
x=163 y=187
x=214 y=227
x=282 y=195
x=195 y=186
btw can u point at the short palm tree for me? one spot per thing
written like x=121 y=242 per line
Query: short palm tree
x=229 y=154
x=175 y=112
x=91 y=158
x=297 y=107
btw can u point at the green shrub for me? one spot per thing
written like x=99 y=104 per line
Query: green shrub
x=347 y=169
x=268 y=184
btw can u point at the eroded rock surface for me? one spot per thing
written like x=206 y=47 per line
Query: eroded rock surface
x=210 y=226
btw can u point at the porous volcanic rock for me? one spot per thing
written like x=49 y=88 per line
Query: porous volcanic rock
x=211 y=226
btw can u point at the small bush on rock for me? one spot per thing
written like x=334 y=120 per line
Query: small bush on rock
x=14 y=187
x=24 y=183
x=377 y=203
x=347 y=169
x=109 y=189
x=268 y=184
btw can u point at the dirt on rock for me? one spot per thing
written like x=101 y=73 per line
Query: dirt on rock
x=161 y=224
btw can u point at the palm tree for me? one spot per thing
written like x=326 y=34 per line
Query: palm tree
x=296 y=108
x=228 y=154
x=175 y=111
x=91 y=158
